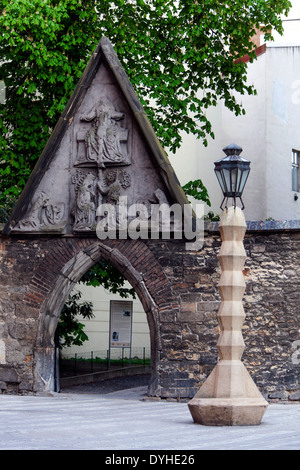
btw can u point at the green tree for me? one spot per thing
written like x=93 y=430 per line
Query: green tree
x=197 y=190
x=177 y=53
x=70 y=330
x=106 y=275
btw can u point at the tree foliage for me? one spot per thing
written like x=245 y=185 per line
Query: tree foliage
x=69 y=329
x=105 y=274
x=177 y=53
x=197 y=190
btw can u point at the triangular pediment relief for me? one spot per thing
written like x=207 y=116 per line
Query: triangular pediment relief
x=102 y=150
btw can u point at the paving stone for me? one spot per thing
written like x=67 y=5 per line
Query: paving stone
x=122 y=421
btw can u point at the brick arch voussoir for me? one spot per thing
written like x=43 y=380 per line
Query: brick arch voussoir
x=124 y=255
x=139 y=256
x=57 y=254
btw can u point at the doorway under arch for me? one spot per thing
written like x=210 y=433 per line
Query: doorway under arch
x=138 y=265
x=103 y=333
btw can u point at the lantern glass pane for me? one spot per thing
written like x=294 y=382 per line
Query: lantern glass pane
x=220 y=180
x=234 y=175
x=239 y=179
x=227 y=179
x=243 y=180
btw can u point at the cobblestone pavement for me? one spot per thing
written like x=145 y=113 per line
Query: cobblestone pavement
x=127 y=420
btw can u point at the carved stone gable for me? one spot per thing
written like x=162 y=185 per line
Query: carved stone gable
x=103 y=148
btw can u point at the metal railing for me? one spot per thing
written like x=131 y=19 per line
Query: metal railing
x=98 y=361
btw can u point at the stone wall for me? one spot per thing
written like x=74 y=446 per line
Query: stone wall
x=179 y=292
x=272 y=327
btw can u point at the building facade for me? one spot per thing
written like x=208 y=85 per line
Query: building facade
x=102 y=330
x=268 y=132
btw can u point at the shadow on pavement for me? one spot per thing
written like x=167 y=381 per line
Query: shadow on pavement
x=102 y=387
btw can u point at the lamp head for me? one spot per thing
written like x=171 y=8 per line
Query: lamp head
x=232 y=172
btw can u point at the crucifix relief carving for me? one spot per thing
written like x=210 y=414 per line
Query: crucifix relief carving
x=101 y=148
x=104 y=142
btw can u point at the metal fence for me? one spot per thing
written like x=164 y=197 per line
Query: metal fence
x=97 y=361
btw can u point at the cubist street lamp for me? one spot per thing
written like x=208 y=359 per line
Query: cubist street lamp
x=232 y=173
x=229 y=396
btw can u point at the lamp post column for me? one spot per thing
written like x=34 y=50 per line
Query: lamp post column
x=229 y=396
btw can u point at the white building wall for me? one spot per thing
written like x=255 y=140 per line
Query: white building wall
x=97 y=329
x=267 y=133
x=248 y=131
x=282 y=130
x=291 y=25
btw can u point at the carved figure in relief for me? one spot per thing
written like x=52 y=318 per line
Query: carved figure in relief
x=110 y=185
x=53 y=213
x=43 y=214
x=103 y=139
x=85 y=201
x=160 y=213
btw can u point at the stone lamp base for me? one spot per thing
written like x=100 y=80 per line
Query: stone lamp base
x=228 y=411
x=213 y=407
x=229 y=396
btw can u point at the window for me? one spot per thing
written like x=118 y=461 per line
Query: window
x=295 y=170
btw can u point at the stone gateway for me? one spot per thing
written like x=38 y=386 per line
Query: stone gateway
x=102 y=152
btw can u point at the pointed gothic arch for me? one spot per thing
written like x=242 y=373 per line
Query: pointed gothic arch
x=146 y=277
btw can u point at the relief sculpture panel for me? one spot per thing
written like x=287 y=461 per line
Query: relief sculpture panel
x=45 y=214
x=102 y=152
x=104 y=141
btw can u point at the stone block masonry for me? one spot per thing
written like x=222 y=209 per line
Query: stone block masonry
x=179 y=292
x=272 y=326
